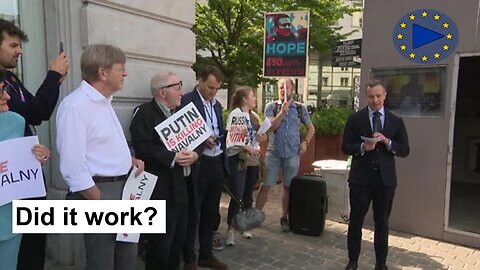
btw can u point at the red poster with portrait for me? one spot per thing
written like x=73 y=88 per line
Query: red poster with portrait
x=285 y=50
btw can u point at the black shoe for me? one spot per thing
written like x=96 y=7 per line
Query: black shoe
x=351 y=266
x=381 y=266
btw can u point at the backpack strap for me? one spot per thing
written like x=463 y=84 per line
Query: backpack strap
x=300 y=111
x=275 y=108
x=299 y=106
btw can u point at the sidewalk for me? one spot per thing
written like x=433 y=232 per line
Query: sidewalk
x=272 y=249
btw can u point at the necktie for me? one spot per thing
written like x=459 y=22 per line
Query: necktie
x=377 y=122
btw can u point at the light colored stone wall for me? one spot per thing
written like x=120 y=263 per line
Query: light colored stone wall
x=155 y=35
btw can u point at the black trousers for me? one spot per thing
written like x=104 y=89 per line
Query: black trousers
x=32 y=250
x=210 y=183
x=382 y=200
x=164 y=250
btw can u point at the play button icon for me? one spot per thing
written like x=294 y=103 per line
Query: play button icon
x=423 y=36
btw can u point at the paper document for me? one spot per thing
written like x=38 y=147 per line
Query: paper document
x=266 y=124
x=370 y=139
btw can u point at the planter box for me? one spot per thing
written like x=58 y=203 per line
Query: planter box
x=329 y=147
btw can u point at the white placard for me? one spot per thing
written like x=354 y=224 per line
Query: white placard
x=137 y=188
x=185 y=129
x=89 y=216
x=237 y=129
x=20 y=172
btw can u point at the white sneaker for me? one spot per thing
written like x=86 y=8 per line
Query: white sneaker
x=247 y=235
x=230 y=238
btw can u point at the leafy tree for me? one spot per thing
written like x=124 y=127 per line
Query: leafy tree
x=230 y=34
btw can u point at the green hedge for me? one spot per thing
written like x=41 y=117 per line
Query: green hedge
x=330 y=121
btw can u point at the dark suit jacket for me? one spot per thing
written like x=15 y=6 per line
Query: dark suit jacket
x=38 y=108
x=171 y=184
x=361 y=171
x=194 y=97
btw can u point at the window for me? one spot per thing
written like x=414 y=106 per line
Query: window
x=360 y=22
x=344 y=68
x=413 y=91
x=324 y=81
x=343 y=81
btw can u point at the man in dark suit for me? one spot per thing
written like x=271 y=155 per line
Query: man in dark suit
x=372 y=174
x=211 y=175
x=164 y=250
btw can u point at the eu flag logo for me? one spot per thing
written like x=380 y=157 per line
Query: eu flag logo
x=425 y=36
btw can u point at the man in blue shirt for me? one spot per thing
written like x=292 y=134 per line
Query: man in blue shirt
x=284 y=145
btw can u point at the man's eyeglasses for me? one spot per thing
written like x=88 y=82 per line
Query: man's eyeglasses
x=172 y=85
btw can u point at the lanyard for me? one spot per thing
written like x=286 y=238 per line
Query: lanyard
x=210 y=114
x=18 y=90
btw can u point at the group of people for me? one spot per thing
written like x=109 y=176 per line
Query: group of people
x=95 y=159
x=20 y=112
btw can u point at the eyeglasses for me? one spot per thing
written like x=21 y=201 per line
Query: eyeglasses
x=172 y=85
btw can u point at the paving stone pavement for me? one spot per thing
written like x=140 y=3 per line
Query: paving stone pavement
x=272 y=249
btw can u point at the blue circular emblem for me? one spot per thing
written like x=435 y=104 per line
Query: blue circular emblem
x=425 y=36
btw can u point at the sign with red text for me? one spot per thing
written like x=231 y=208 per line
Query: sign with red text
x=137 y=188
x=285 y=50
x=20 y=172
x=237 y=128
x=186 y=129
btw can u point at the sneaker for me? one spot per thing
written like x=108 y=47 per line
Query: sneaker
x=284 y=224
x=230 y=238
x=247 y=235
x=217 y=243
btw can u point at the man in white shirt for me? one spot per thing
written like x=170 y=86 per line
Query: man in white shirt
x=94 y=155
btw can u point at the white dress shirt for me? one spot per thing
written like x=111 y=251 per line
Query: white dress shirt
x=212 y=122
x=90 y=139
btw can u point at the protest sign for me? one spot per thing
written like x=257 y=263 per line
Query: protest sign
x=20 y=172
x=137 y=188
x=237 y=129
x=186 y=129
x=285 y=51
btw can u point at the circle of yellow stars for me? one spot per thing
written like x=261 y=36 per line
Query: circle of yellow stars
x=424 y=58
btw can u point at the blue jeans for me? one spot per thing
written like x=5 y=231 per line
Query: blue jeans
x=241 y=184
x=290 y=169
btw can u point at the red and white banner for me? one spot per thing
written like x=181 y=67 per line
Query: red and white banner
x=186 y=129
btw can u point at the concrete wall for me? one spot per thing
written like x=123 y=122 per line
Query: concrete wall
x=155 y=35
x=419 y=205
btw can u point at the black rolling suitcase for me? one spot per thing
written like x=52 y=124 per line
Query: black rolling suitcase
x=308 y=204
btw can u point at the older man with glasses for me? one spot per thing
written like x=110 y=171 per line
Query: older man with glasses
x=164 y=250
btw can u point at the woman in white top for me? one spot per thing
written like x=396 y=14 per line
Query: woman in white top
x=244 y=158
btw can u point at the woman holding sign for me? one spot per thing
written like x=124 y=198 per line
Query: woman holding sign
x=11 y=126
x=243 y=149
